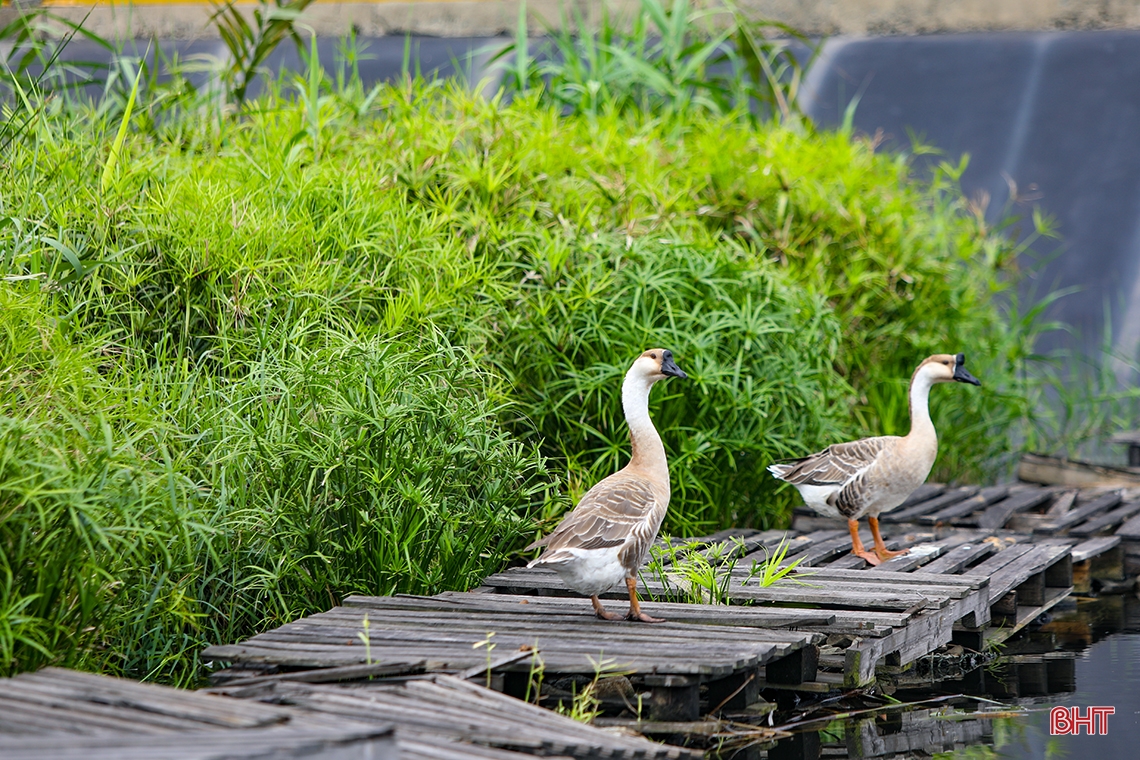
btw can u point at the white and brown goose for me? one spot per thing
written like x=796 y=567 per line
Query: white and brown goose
x=875 y=475
x=607 y=536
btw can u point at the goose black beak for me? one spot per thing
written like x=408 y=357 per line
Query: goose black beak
x=669 y=367
x=960 y=373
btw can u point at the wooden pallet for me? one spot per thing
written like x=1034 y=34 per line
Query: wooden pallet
x=428 y=707
x=66 y=714
x=833 y=622
x=1046 y=511
x=700 y=646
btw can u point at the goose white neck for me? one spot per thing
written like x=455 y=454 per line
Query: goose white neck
x=648 y=451
x=920 y=422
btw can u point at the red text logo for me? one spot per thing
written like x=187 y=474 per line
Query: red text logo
x=1068 y=720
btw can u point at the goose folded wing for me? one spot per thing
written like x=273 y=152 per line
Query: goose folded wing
x=608 y=515
x=837 y=464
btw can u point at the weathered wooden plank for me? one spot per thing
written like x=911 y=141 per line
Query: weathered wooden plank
x=923 y=554
x=1025 y=615
x=900 y=580
x=372 y=742
x=996 y=515
x=441 y=705
x=710 y=614
x=986 y=497
x=1036 y=560
x=1082 y=513
x=1094 y=547
x=392 y=632
x=1130 y=530
x=960 y=557
x=838 y=595
x=906 y=514
x=924 y=633
x=998 y=561
x=157 y=702
x=1106 y=521
x=820 y=549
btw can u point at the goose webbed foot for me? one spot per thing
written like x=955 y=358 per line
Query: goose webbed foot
x=602 y=612
x=635 y=614
x=881 y=548
x=885 y=554
x=857 y=545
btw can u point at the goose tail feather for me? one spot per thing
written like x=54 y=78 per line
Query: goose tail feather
x=780 y=470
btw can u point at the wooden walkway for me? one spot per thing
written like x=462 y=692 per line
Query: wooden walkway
x=704 y=645
x=984 y=563
x=64 y=714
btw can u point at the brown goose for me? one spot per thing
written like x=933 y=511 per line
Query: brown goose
x=875 y=475
x=606 y=538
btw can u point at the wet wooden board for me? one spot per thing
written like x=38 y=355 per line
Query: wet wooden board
x=442 y=706
x=316 y=743
x=58 y=713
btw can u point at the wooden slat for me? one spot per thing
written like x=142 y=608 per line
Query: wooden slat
x=908 y=581
x=1106 y=521
x=313 y=742
x=960 y=557
x=156 y=704
x=1130 y=530
x=907 y=514
x=997 y=514
x=1013 y=574
x=999 y=560
x=982 y=500
x=1080 y=514
x=713 y=614
x=1094 y=547
x=923 y=554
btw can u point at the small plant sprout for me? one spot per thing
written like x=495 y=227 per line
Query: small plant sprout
x=585 y=704
x=535 y=675
x=487 y=646
x=773 y=568
x=364 y=637
x=695 y=572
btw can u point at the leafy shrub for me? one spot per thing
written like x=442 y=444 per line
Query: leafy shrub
x=367 y=466
x=323 y=348
x=758 y=355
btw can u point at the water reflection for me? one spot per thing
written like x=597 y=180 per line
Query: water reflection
x=1087 y=653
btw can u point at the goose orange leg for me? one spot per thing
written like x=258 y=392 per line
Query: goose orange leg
x=857 y=545
x=635 y=612
x=881 y=548
x=601 y=611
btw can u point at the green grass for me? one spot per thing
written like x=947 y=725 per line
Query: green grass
x=351 y=341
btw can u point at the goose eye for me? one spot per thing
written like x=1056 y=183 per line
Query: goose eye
x=653 y=356
x=946 y=363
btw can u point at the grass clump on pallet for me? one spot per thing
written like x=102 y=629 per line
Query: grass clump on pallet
x=363 y=342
